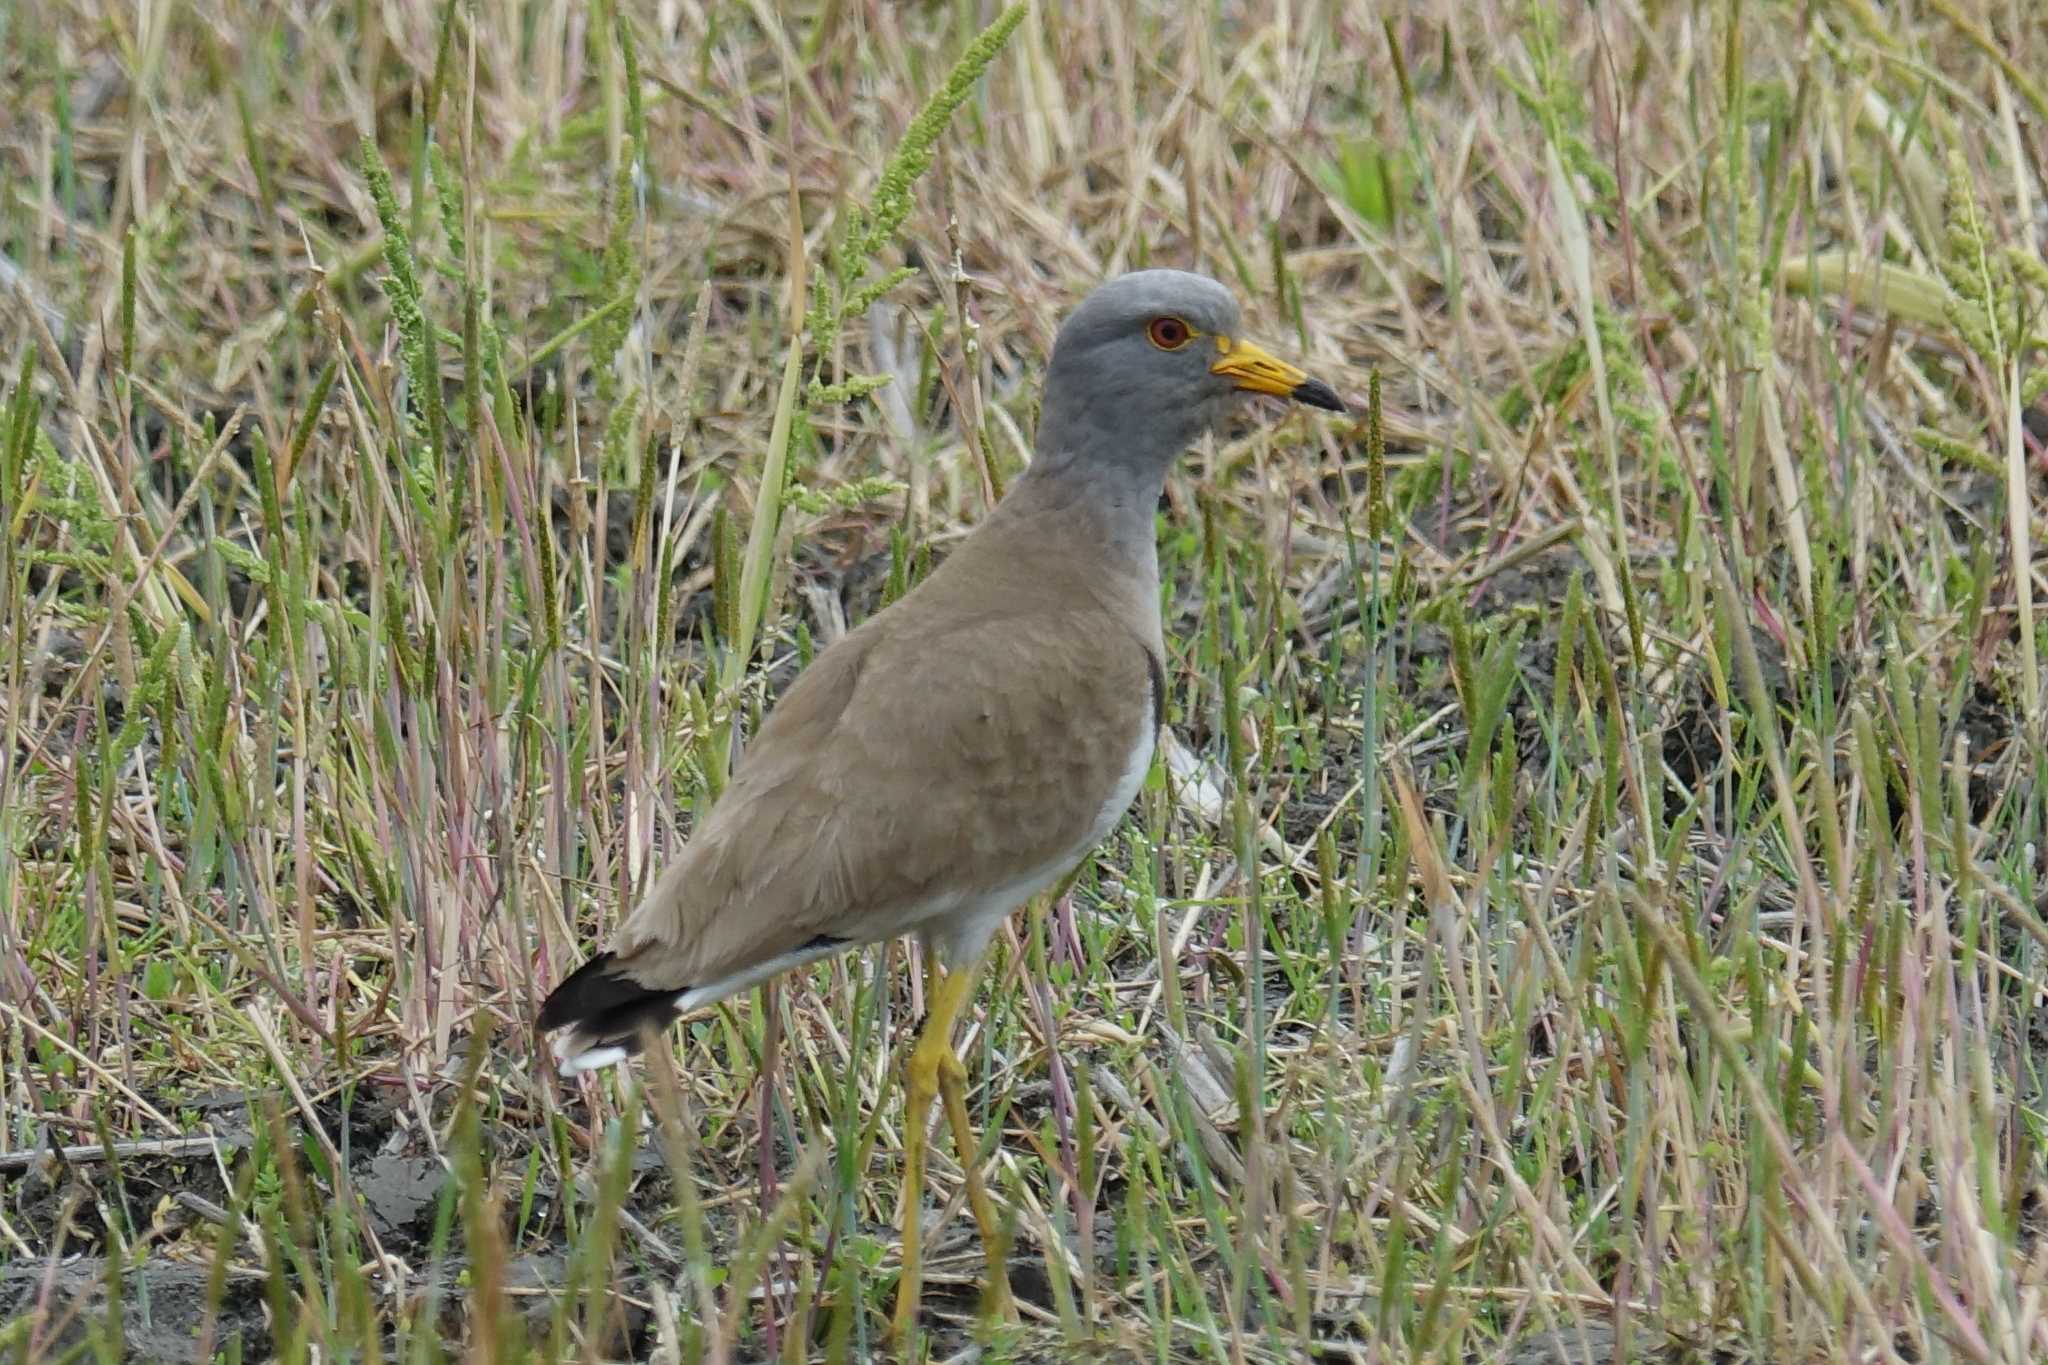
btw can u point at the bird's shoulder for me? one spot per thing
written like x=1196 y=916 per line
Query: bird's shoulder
x=992 y=641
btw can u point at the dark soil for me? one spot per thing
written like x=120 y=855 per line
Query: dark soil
x=163 y=1309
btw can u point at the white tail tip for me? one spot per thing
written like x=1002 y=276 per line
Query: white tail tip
x=574 y=1060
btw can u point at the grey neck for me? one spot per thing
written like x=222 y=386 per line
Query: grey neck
x=1101 y=464
x=1112 y=506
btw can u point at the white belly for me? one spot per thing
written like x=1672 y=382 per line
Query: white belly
x=959 y=927
x=1126 y=790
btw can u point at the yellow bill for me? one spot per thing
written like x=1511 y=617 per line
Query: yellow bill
x=1256 y=371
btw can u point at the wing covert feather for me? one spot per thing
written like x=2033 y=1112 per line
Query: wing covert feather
x=922 y=754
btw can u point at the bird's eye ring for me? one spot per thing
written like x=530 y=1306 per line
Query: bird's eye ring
x=1169 y=334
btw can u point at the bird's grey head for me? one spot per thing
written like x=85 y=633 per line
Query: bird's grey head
x=1143 y=367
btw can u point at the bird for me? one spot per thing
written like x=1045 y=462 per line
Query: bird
x=964 y=748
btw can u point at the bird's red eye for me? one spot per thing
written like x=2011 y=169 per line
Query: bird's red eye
x=1169 y=334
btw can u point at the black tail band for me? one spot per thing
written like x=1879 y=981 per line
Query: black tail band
x=605 y=1005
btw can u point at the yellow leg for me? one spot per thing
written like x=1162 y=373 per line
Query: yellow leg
x=928 y=1064
x=952 y=1080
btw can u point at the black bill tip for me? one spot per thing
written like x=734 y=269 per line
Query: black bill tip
x=1317 y=394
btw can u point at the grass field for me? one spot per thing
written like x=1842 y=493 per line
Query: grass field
x=1591 y=906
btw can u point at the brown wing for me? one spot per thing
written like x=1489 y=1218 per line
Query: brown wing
x=942 y=747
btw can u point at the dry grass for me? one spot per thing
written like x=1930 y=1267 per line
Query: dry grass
x=1596 y=918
